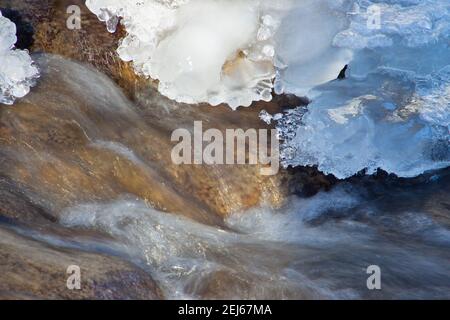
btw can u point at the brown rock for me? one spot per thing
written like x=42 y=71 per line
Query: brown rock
x=77 y=139
x=32 y=270
x=221 y=189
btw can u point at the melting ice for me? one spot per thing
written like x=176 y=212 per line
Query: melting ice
x=211 y=51
x=391 y=112
x=17 y=72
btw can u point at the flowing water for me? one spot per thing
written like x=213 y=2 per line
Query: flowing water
x=316 y=247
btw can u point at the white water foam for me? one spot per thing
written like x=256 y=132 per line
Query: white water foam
x=317 y=248
x=183 y=255
x=17 y=72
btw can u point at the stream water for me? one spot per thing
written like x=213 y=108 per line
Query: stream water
x=97 y=178
x=317 y=247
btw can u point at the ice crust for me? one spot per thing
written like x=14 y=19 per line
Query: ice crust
x=17 y=72
x=391 y=112
x=228 y=51
x=212 y=51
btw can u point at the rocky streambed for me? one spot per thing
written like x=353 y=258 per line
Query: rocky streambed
x=92 y=131
x=86 y=179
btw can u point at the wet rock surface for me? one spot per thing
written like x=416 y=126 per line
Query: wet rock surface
x=94 y=131
x=243 y=187
x=33 y=270
x=72 y=140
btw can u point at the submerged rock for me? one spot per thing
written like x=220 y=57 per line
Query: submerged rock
x=92 y=131
x=32 y=270
x=73 y=140
x=239 y=187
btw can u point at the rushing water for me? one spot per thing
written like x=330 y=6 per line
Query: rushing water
x=317 y=247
